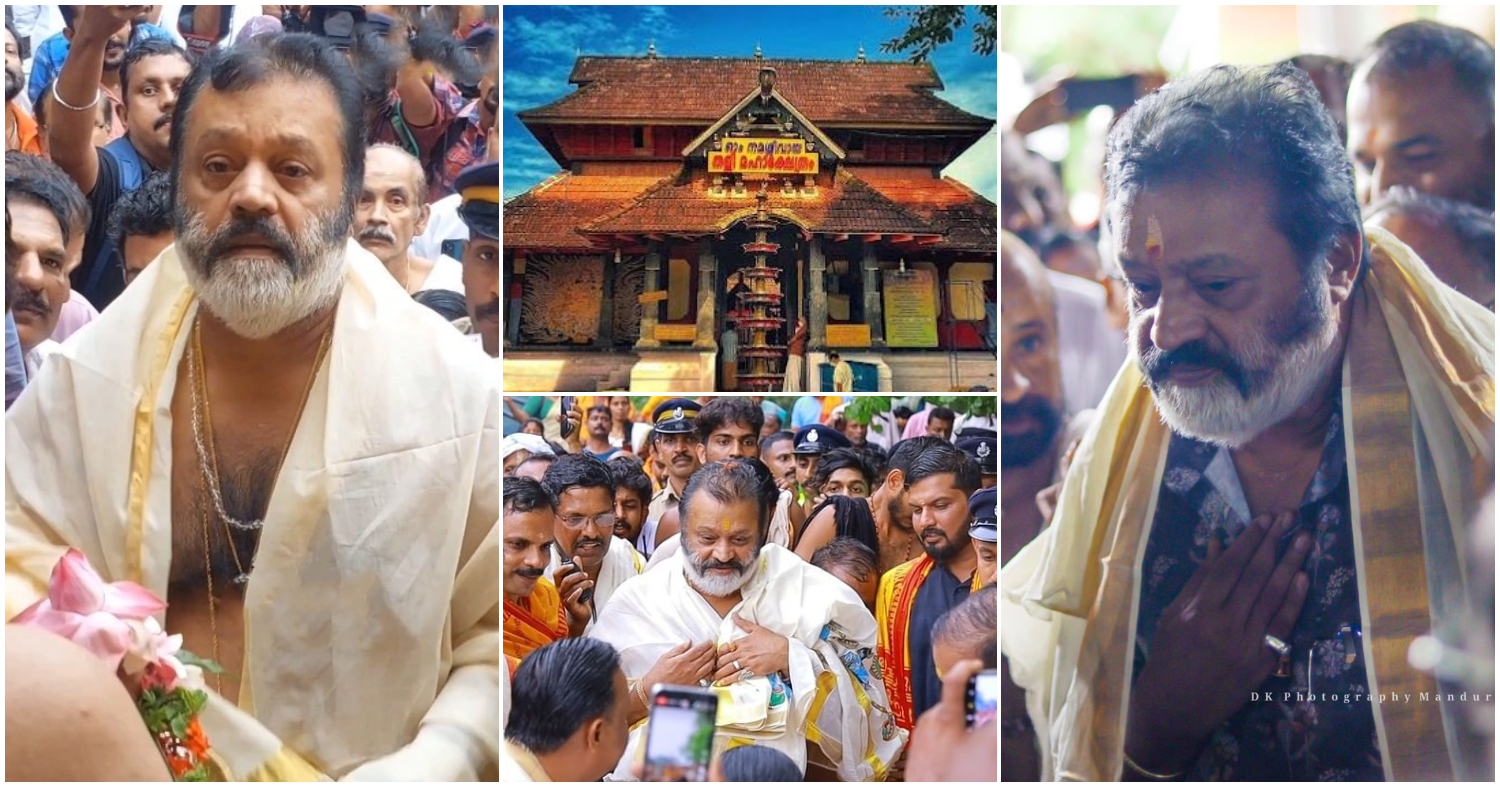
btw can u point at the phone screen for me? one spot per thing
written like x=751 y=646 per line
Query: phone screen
x=982 y=699
x=1085 y=94
x=680 y=738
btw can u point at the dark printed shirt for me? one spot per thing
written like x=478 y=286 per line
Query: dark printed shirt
x=1322 y=733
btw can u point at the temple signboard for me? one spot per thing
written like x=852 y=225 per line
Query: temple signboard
x=763 y=157
x=910 y=308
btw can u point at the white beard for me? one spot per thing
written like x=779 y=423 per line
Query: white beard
x=257 y=297
x=1217 y=413
x=713 y=584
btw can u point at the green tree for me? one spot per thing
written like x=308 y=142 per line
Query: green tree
x=931 y=26
x=701 y=744
x=864 y=408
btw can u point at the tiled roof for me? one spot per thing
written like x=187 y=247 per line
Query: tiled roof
x=701 y=89
x=966 y=219
x=546 y=216
x=685 y=206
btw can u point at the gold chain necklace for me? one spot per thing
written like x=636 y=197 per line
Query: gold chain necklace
x=210 y=466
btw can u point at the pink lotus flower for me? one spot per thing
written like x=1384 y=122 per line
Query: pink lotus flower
x=80 y=606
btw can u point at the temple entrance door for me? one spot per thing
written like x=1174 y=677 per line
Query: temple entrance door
x=678 y=321
x=760 y=304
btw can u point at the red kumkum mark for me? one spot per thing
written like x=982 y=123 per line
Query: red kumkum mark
x=1154 y=249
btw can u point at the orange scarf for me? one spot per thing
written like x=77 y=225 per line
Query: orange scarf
x=540 y=622
x=898 y=591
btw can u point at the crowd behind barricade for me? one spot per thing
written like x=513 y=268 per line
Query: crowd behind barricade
x=1263 y=247
x=91 y=96
x=822 y=565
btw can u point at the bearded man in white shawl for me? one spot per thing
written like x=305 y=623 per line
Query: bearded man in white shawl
x=1269 y=507
x=789 y=648
x=270 y=435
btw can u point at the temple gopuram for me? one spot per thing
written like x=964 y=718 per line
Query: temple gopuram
x=706 y=206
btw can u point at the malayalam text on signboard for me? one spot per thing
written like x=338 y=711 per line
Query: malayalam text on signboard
x=910 y=309
x=764 y=157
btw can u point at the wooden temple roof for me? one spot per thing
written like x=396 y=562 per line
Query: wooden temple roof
x=593 y=211
x=694 y=90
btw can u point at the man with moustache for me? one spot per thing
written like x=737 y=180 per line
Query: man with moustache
x=20 y=128
x=392 y=209
x=776 y=453
x=479 y=188
x=533 y=614
x=1031 y=439
x=1031 y=396
x=675 y=440
x=632 y=498
x=587 y=562
x=259 y=446
x=49 y=215
x=1259 y=502
x=728 y=428
x=597 y=445
x=786 y=646
x=150 y=77
x=1422 y=114
x=916 y=593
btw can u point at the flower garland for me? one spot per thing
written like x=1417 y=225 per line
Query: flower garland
x=115 y=621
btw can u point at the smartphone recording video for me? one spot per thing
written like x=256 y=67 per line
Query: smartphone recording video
x=982 y=698
x=680 y=737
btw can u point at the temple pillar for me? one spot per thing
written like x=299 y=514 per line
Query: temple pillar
x=650 y=309
x=708 y=293
x=605 y=338
x=817 y=323
x=513 y=285
x=873 y=315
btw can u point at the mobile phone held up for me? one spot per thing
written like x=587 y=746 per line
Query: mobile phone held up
x=1085 y=94
x=587 y=595
x=567 y=407
x=981 y=698
x=680 y=736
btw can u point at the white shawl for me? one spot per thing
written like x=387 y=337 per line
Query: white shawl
x=838 y=675
x=372 y=629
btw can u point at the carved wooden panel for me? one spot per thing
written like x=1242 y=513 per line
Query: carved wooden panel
x=630 y=282
x=560 y=301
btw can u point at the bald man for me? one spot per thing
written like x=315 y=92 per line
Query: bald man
x=1031 y=397
x=1422 y=114
x=392 y=209
x=1455 y=239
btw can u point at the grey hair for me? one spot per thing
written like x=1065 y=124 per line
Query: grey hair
x=421 y=195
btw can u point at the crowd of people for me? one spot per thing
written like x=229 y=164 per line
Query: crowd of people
x=827 y=571
x=1244 y=415
x=226 y=238
x=89 y=131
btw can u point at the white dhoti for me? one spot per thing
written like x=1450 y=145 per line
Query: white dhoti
x=837 y=696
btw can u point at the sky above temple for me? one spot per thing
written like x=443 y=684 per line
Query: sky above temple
x=541 y=43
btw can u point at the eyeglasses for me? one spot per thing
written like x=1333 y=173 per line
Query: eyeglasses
x=601 y=521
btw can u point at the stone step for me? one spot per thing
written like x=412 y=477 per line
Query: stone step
x=940 y=372
x=545 y=372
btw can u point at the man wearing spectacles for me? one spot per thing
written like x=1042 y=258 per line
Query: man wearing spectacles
x=588 y=561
